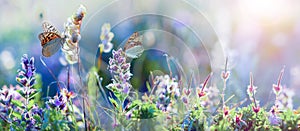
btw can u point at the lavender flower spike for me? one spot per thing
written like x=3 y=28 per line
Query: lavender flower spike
x=120 y=71
x=26 y=76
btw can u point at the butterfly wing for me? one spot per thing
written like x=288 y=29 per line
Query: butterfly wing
x=133 y=47
x=51 y=43
x=52 y=47
x=135 y=51
x=47 y=27
x=51 y=40
x=46 y=37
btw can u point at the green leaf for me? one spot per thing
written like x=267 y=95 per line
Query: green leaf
x=134 y=104
x=148 y=86
x=31 y=96
x=21 y=93
x=17 y=103
x=92 y=82
x=114 y=102
x=37 y=118
x=30 y=104
x=17 y=114
x=46 y=120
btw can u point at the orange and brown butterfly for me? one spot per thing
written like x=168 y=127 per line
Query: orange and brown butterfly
x=51 y=40
x=133 y=47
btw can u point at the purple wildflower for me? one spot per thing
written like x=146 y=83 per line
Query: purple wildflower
x=273 y=118
x=167 y=92
x=60 y=101
x=115 y=123
x=251 y=90
x=128 y=115
x=225 y=74
x=187 y=91
x=120 y=71
x=238 y=119
x=26 y=76
x=106 y=37
x=201 y=92
x=277 y=88
x=184 y=100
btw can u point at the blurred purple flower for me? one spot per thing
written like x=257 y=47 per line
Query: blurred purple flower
x=187 y=91
x=277 y=88
x=238 y=119
x=201 y=91
x=273 y=118
x=106 y=37
x=60 y=101
x=167 y=92
x=256 y=109
x=184 y=100
x=251 y=90
x=115 y=124
x=128 y=115
x=225 y=75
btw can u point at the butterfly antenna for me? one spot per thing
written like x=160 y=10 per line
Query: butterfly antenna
x=50 y=71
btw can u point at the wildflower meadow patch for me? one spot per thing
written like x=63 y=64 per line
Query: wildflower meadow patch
x=113 y=96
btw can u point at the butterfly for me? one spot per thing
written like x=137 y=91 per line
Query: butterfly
x=133 y=47
x=51 y=40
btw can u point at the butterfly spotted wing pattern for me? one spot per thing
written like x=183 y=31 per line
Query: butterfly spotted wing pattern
x=133 y=40
x=47 y=27
x=50 y=39
x=51 y=47
x=133 y=47
x=46 y=37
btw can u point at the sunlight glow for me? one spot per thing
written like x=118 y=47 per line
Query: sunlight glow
x=266 y=9
x=7 y=60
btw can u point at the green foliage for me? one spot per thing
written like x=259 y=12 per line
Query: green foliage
x=55 y=120
x=38 y=86
x=145 y=110
x=290 y=120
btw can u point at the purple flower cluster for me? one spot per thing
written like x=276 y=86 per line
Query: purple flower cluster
x=273 y=118
x=167 y=92
x=29 y=118
x=26 y=76
x=120 y=71
x=21 y=97
x=6 y=96
x=60 y=101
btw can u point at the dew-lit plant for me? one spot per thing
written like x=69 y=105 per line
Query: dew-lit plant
x=170 y=103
